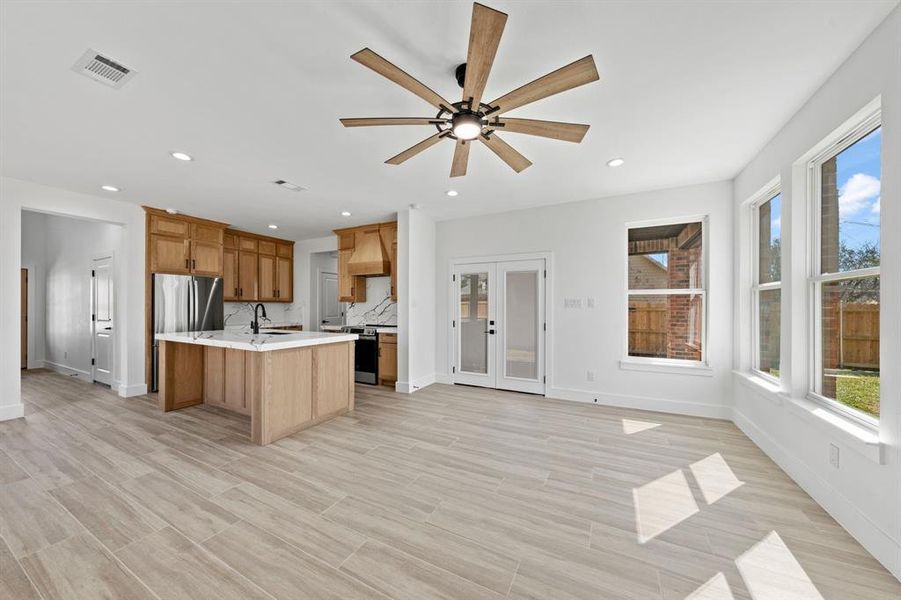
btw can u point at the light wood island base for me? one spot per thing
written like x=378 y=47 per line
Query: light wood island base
x=283 y=391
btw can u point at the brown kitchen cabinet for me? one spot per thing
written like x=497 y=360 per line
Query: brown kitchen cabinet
x=387 y=359
x=352 y=288
x=263 y=271
x=183 y=245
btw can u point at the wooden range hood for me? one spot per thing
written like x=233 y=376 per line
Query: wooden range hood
x=369 y=256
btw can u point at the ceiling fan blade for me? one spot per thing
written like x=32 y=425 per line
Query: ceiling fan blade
x=414 y=150
x=568 y=132
x=368 y=58
x=461 y=158
x=505 y=151
x=484 y=37
x=374 y=121
x=565 y=78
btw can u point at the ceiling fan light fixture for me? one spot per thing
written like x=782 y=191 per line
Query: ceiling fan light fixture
x=466 y=125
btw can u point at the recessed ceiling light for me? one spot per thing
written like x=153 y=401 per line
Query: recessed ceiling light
x=172 y=211
x=109 y=188
x=615 y=162
x=452 y=193
x=273 y=227
x=181 y=156
x=345 y=213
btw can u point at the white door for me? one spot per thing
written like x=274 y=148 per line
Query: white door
x=499 y=329
x=102 y=319
x=331 y=312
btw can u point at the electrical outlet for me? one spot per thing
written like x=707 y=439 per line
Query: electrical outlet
x=589 y=376
x=833 y=455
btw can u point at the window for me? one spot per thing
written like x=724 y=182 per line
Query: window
x=845 y=182
x=666 y=301
x=767 y=286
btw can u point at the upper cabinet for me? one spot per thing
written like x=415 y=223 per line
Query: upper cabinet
x=366 y=251
x=183 y=245
x=253 y=267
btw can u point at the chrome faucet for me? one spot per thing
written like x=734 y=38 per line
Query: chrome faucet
x=256 y=318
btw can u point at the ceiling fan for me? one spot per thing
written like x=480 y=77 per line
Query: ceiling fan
x=471 y=119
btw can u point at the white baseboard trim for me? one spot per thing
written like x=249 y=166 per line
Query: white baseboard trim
x=681 y=407
x=84 y=376
x=877 y=541
x=12 y=411
x=403 y=387
x=407 y=387
x=135 y=389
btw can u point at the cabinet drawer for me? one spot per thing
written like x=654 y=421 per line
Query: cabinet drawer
x=387 y=338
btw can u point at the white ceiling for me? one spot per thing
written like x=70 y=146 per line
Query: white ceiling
x=689 y=92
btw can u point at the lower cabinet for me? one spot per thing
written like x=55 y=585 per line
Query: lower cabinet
x=387 y=359
x=224 y=379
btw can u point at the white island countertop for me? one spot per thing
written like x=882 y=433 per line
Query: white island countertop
x=265 y=341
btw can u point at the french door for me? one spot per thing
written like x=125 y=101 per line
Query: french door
x=499 y=326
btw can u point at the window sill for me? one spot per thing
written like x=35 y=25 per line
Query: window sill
x=853 y=435
x=666 y=367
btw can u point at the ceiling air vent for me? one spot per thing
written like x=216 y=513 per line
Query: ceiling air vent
x=103 y=69
x=288 y=185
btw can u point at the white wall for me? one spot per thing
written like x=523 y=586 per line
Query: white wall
x=16 y=195
x=421 y=251
x=864 y=496
x=588 y=245
x=305 y=296
x=66 y=249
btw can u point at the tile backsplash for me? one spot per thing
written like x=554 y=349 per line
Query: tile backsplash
x=240 y=314
x=378 y=309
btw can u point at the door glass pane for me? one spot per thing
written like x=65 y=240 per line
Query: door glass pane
x=850 y=206
x=769 y=306
x=666 y=326
x=666 y=257
x=769 y=240
x=474 y=322
x=521 y=324
x=850 y=326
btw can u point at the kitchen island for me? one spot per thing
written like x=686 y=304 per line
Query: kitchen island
x=284 y=380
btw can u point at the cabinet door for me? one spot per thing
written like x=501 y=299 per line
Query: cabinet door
x=285 y=250
x=266 y=247
x=171 y=226
x=247 y=243
x=387 y=362
x=230 y=275
x=267 y=278
x=247 y=276
x=230 y=241
x=234 y=382
x=284 y=279
x=349 y=288
x=169 y=255
x=207 y=233
x=206 y=258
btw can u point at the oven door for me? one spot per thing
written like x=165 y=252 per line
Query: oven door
x=366 y=359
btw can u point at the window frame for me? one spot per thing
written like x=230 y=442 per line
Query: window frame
x=767 y=194
x=702 y=292
x=816 y=279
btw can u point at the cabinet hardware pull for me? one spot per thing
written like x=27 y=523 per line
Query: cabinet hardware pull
x=236 y=291
x=241 y=292
x=187 y=264
x=193 y=263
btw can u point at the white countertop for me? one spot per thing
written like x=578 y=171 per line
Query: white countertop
x=378 y=329
x=237 y=340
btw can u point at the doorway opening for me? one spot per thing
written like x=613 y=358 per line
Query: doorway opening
x=325 y=309
x=499 y=326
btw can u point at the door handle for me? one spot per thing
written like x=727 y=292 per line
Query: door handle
x=107 y=329
x=490 y=332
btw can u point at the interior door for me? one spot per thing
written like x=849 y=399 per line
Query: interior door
x=102 y=321
x=499 y=327
x=475 y=324
x=520 y=326
x=331 y=311
x=24 y=310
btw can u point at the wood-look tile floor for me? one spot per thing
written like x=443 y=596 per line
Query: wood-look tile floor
x=453 y=492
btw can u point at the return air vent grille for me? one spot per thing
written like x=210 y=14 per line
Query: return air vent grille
x=289 y=186
x=103 y=69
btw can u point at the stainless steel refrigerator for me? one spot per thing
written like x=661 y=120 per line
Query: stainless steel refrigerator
x=184 y=303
